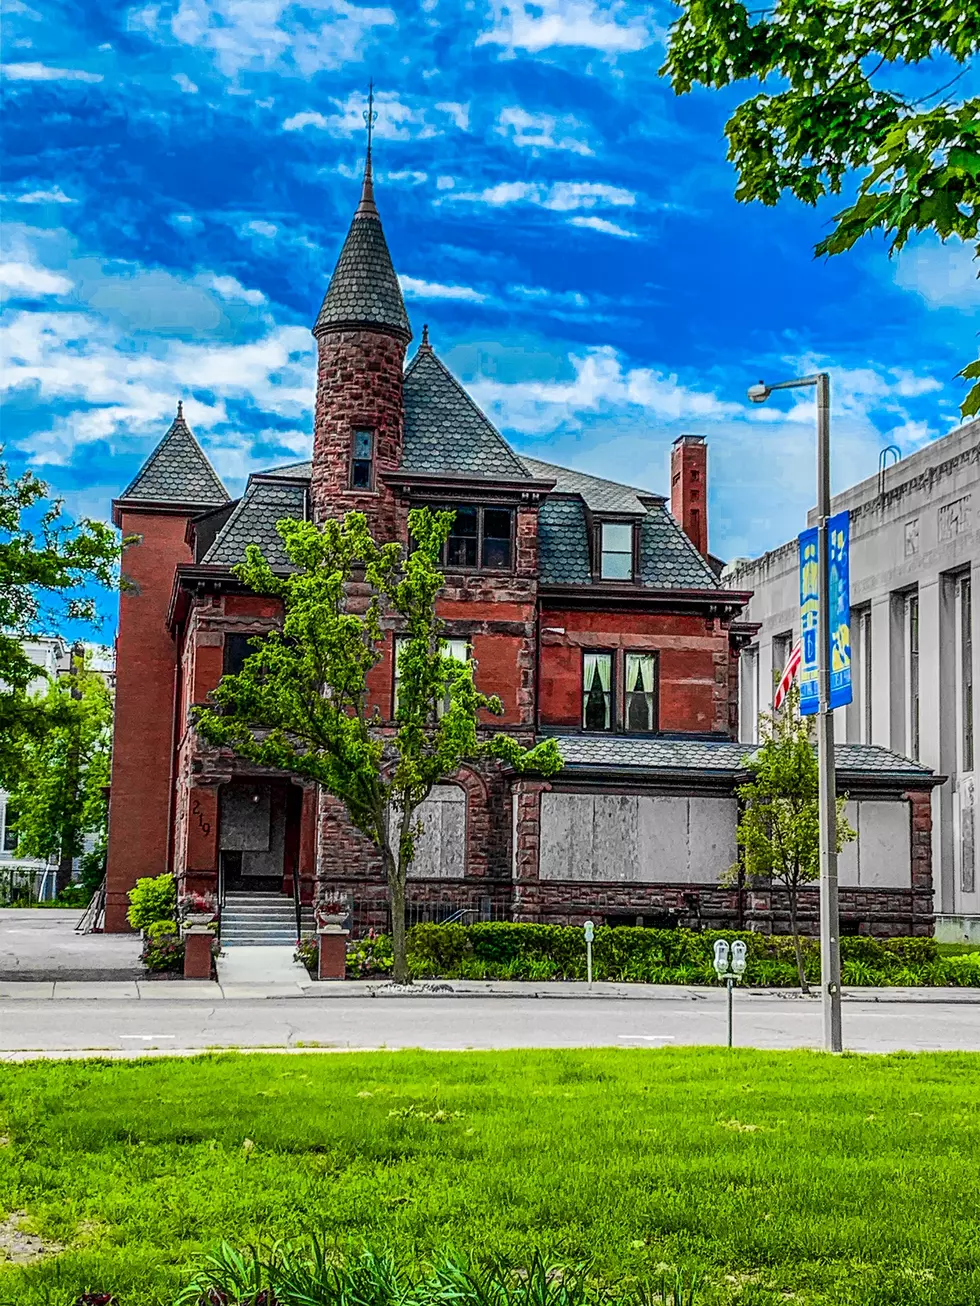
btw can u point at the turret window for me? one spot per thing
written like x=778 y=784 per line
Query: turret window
x=362 y=463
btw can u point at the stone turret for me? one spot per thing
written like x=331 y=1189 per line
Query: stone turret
x=362 y=332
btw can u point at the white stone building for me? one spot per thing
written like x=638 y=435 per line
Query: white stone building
x=915 y=641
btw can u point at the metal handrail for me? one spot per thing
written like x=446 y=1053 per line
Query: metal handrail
x=297 y=906
x=882 y=460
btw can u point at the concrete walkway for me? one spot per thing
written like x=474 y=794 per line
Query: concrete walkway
x=258 y=969
x=40 y=943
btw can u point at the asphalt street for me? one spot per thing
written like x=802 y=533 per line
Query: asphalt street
x=80 y=1025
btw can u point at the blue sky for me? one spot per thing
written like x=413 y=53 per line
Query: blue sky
x=179 y=178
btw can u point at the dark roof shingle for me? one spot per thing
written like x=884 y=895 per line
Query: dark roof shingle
x=177 y=471
x=445 y=432
x=263 y=504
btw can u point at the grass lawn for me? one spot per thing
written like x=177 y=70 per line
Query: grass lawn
x=781 y=1176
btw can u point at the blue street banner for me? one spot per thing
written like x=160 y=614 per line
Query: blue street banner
x=809 y=623
x=838 y=537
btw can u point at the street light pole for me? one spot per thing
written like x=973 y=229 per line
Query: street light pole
x=826 y=768
x=829 y=905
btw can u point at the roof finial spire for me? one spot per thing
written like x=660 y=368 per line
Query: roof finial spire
x=367 y=204
x=425 y=337
x=180 y=410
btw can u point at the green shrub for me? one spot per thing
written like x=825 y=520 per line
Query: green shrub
x=504 y=950
x=152 y=900
x=163 y=948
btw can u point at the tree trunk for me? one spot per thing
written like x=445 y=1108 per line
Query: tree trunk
x=396 y=898
x=801 y=975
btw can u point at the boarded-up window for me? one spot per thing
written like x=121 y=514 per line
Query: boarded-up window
x=440 y=850
x=880 y=856
x=629 y=837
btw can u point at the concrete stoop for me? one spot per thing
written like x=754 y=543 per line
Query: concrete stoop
x=256 y=965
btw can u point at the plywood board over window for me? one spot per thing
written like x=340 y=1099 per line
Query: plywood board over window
x=634 y=838
x=440 y=850
x=881 y=855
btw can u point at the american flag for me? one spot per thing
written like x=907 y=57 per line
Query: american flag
x=786 y=679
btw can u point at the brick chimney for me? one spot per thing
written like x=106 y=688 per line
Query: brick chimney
x=689 y=488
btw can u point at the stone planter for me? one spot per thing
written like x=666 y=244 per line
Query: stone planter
x=196 y=918
x=197 y=952
x=332 y=952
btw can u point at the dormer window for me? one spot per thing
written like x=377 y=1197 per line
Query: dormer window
x=482 y=538
x=615 y=551
x=362 y=460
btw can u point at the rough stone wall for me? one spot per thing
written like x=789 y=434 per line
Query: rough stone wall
x=359 y=383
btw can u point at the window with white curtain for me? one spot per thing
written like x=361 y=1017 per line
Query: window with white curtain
x=451 y=648
x=597 y=691
x=641 y=688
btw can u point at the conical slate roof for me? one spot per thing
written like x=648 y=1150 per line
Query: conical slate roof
x=177 y=471
x=364 y=291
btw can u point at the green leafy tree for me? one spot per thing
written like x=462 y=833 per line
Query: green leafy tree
x=59 y=796
x=833 y=114
x=779 y=828
x=47 y=564
x=301 y=703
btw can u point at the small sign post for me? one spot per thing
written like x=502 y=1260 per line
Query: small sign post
x=729 y=966
x=589 y=936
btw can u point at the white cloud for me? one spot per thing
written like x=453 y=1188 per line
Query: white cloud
x=27 y=280
x=230 y=288
x=945 y=276
x=602 y=382
x=261 y=35
x=541 y=131
x=300 y=120
x=258 y=227
x=417 y=289
x=406 y=174
x=561 y=196
x=542 y=295
x=185 y=83
x=54 y=196
x=601 y=224
x=396 y=120
x=39 y=72
x=590 y=23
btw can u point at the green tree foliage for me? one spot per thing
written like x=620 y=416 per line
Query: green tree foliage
x=831 y=113
x=59 y=795
x=779 y=828
x=46 y=565
x=152 y=899
x=301 y=702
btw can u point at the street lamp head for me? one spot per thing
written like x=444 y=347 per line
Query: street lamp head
x=759 y=393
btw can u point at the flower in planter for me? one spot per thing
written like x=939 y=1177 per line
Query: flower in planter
x=330 y=911
x=199 y=904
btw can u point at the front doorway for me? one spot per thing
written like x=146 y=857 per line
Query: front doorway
x=259 y=835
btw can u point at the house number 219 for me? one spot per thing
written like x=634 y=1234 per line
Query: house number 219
x=196 y=809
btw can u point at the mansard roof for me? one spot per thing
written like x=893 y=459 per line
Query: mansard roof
x=178 y=472
x=268 y=499
x=599 y=495
x=446 y=433
x=364 y=290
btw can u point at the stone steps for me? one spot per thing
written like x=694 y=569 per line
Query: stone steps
x=261 y=920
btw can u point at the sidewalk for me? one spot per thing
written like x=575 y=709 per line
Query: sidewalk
x=142 y=990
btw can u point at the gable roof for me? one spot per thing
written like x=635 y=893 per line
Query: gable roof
x=177 y=471
x=364 y=290
x=445 y=431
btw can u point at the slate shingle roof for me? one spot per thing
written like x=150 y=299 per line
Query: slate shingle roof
x=599 y=495
x=177 y=471
x=668 y=559
x=723 y=755
x=364 y=290
x=563 y=543
x=263 y=504
x=445 y=432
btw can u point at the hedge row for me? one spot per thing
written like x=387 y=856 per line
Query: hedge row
x=499 y=950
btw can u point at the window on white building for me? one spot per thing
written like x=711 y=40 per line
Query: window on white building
x=748 y=698
x=859 y=722
x=8 y=818
x=912 y=674
x=964 y=651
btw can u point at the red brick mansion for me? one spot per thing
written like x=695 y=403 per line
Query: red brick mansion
x=592 y=608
